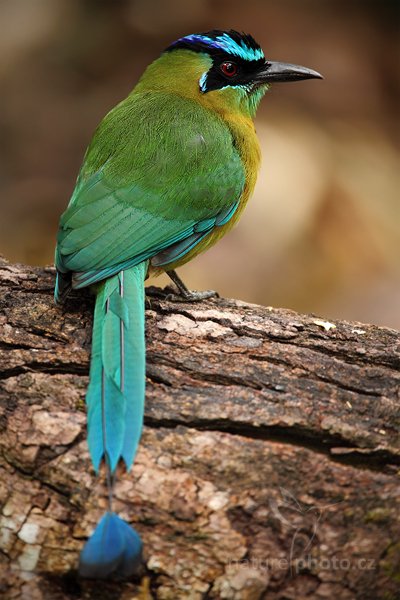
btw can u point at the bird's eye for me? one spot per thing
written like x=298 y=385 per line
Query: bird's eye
x=229 y=69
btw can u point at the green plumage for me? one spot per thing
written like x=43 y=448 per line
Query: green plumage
x=145 y=187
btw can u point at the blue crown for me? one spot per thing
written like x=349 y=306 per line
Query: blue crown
x=232 y=42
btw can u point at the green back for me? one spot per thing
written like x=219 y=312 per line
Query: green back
x=160 y=167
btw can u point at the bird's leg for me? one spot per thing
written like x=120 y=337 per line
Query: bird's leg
x=186 y=295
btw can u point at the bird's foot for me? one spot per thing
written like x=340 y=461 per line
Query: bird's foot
x=186 y=295
x=192 y=296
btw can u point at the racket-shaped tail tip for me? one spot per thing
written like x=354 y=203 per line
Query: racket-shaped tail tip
x=114 y=551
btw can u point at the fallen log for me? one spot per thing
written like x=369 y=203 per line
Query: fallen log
x=268 y=467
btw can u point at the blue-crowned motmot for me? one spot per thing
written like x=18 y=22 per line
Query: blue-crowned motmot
x=168 y=172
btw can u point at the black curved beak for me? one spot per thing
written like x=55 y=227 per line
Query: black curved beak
x=277 y=71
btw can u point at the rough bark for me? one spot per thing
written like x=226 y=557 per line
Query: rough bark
x=268 y=466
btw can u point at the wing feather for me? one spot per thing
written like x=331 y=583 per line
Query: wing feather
x=141 y=195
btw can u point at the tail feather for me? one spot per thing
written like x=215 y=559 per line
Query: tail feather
x=115 y=400
x=135 y=353
x=115 y=396
x=114 y=550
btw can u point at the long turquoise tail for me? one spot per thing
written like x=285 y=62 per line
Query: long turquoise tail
x=115 y=402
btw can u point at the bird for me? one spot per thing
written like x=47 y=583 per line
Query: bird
x=168 y=172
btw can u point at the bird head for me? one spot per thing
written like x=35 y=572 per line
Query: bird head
x=221 y=68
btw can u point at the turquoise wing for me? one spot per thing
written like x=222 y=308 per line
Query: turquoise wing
x=151 y=196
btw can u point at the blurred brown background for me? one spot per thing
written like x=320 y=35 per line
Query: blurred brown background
x=322 y=232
